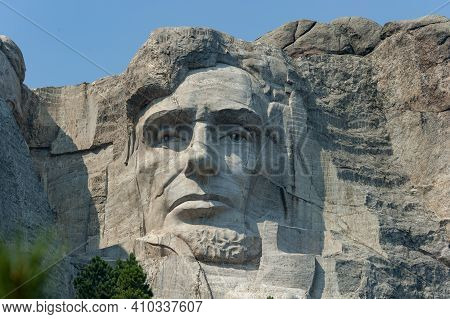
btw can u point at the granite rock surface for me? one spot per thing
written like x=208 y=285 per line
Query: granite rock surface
x=360 y=208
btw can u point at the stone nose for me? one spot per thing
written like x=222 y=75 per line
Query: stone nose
x=202 y=159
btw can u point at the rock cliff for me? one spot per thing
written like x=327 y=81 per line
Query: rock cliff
x=362 y=211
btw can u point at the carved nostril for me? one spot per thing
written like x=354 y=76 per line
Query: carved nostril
x=201 y=161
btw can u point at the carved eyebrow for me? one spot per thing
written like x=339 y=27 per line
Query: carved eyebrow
x=242 y=116
x=173 y=116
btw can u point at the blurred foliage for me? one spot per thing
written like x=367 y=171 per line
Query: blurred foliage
x=98 y=280
x=25 y=267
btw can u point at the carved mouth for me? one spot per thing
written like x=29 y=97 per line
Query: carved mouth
x=201 y=202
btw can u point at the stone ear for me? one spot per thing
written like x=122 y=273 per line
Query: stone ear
x=130 y=144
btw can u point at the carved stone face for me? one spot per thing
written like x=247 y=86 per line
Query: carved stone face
x=196 y=153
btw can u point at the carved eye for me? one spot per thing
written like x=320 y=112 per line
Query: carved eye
x=169 y=136
x=240 y=135
x=173 y=136
x=237 y=137
x=166 y=138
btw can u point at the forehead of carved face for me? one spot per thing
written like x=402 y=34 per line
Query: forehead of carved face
x=196 y=150
x=222 y=92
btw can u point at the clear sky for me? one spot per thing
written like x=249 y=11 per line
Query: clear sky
x=108 y=33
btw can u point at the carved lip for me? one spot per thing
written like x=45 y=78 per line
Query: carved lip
x=206 y=198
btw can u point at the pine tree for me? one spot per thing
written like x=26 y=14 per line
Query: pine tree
x=130 y=280
x=98 y=280
x=95 y=281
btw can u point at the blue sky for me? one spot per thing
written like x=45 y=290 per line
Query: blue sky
x=108 y=33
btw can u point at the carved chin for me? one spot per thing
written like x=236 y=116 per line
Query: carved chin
x=218 y=245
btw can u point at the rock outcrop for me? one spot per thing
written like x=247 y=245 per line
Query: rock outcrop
x=24 y=209
x=360 y=210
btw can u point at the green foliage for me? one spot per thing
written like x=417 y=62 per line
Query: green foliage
x=98 y=280
x=24 y=268
x=95 y=280
x=269 y=297
x=130 y=280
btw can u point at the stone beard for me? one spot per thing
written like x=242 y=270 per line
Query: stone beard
x=196 y=155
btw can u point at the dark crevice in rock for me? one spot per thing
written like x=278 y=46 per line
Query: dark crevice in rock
x=162 y=246
x=202 y=272
x=306 y=31
x=425 y=25
x=292 y=193
x=45 y=148
x=297 y=35
x=95 y=149
x=368 y=175
x=426 y=253
x=293 y=37
x=386 y=33
x=442 y=41
x=318 y=283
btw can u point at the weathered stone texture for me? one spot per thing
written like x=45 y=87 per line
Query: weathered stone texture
x=24 y=210
x=361 y=212
x=348 y=35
